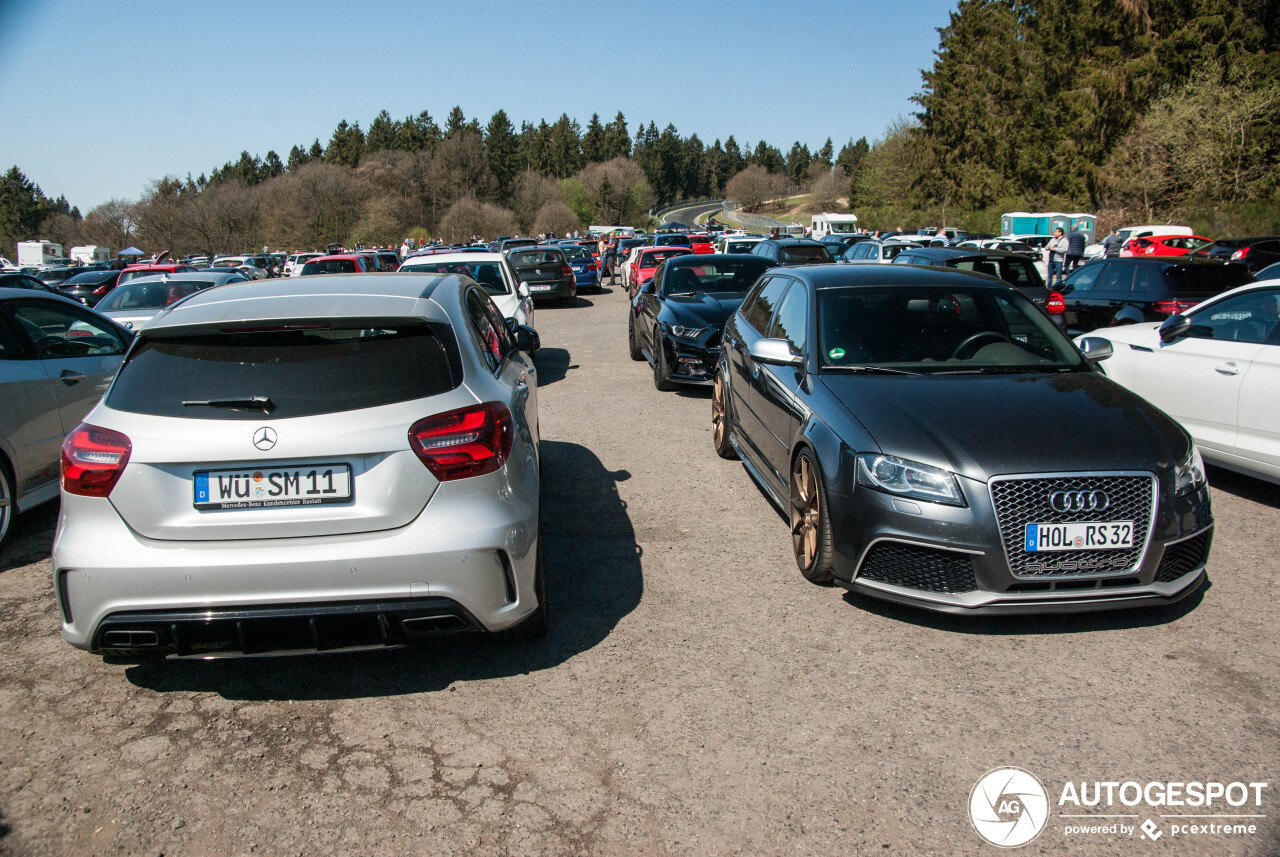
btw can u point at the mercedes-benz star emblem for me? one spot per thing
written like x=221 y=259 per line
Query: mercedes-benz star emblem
x=264 y=438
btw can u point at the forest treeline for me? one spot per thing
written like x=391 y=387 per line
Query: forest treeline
x=1137 y=110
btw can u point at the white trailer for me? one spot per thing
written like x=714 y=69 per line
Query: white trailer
x=90 y=253
x=829 y=223
x=33 y=254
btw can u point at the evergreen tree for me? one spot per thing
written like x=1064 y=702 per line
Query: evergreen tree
x=271 y=165
x=315 y=153
x=564 y=148
x=23 y=207
x=418 y=133
x=297 y=157
x=346 y=146
x=382 y=133
x=733 y=157
x=593 y=141
x=502 y=149
x=455 y=124
x=797 y=162
x=617 y=139
x=823 y=156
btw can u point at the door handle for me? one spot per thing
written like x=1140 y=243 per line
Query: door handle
x=69 y=378
x=1227 y=368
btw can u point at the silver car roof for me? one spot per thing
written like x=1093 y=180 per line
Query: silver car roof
x=219 y=277
x=316 y=297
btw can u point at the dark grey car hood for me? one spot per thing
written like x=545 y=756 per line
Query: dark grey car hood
x=986 y=425
x=703 y=309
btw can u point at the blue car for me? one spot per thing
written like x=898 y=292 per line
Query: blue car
x=585 y=270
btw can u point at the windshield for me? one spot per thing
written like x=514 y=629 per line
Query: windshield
x=487 y=274
x=805 y=253
x=736 y=275
x=329 y=266
x=843 y=228
x=144 y=296
x=938 y=329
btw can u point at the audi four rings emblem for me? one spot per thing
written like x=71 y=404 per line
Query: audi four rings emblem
x=1079 y=501
x=264 y=438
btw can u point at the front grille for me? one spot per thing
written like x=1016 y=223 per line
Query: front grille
x=1019 y=502
x=917 y=567
x=1183 y=557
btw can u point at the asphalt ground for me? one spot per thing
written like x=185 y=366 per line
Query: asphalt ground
x=695 y=695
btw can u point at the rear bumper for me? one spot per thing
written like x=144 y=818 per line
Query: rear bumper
x=566 y=288
x=474 y=545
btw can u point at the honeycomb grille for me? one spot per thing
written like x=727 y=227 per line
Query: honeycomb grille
x=1183 y=557
x=919 y=568
x=1019 y=502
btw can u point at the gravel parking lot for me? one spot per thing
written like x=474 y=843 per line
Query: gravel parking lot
x=695 y=695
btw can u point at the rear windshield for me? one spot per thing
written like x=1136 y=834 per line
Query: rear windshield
x=573 y=251
x=487 y=274
x=668 y=240
x=805 y=253
x=144 y=296
x=331 y=266
x=1205 y=279
x=302 y=372
x=657 y=257
x=739 y=246
x=530 y=258
x=1015 y=272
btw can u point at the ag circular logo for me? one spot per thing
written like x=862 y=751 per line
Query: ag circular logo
x=1008 y=807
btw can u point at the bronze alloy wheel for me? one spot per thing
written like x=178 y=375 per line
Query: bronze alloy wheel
x=810 y=529
x=720 y=419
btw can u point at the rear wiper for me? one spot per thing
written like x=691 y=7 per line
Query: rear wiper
x=261 y=403
x=877 y=370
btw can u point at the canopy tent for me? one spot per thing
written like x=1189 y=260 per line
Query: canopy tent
x=131 y=251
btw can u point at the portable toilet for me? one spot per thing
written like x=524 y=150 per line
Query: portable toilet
x=1087 y=224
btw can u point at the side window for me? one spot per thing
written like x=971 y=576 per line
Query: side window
x=1086 y=278
x=1249 y=317
x=1141 y=281
x=1116 y=278
x=658 y=276
x=791 y=321
x=500 y=325
x=62 y=331
x=766 y=300
x=491 y=340
x=11 y=345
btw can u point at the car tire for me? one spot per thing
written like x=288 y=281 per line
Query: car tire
x=8 y=502
x=661 y=372
x=810 y=520
x=633 y=342
x=721 y=420
x=537 y=623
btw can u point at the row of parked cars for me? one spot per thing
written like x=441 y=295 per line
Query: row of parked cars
x=935 y=438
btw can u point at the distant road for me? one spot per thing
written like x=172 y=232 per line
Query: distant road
x=689 y=214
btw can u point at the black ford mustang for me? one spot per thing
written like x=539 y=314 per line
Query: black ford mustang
x=937 y=441
x=677 y=318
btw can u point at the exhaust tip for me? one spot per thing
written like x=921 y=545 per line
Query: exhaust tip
x=130 y=639
x=426 y=626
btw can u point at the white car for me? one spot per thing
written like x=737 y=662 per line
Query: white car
x=1215 y=369
x=1015 y=244
x=491 y=270
x=877 y=252
x=243 y=264
x=737 y=244
x=293 y=265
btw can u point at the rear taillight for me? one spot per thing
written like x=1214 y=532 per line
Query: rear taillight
x=566 y=271
x=591 y=266
x=104 y=288
x=466 y=442
x=1239 y=254
x=1055 y=305
x=92 y=460
x=1172 y=307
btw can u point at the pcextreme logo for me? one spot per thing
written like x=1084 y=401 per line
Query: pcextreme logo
x=1009 y=807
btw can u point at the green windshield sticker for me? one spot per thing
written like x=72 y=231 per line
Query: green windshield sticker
x=835 y=353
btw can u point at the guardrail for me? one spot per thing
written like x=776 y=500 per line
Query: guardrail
x=732 y=212
x=684 y=203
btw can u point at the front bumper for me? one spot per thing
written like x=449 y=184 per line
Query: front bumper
x=692 y=363
x=474 y=546
x=952 y=560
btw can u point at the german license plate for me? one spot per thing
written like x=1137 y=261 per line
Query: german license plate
x=1108 y=535
x=268 y=487
x=542 y=287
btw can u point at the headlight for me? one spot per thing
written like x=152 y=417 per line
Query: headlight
x=685 y=332
x=908 y=479
x=1189 y=475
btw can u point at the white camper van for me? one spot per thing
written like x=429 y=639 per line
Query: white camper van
x=89 y=254
x=833 y=224
x=33 y=254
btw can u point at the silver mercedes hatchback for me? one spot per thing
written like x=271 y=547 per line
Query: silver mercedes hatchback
x=311 y=464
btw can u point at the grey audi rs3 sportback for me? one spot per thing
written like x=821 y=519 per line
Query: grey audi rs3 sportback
x=307 y=464
x=935 y=440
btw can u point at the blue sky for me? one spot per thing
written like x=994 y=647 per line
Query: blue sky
x=101 y=97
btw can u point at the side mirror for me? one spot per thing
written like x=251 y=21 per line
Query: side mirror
x=647 y=288
x=776 y=352
x=1095 y=348
x=527 y=339
x=1173 y=327
x=523 y=290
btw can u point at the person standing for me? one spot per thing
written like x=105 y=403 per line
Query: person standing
x=610 y=256
x=1075 y=249
x=1111 y=244
x=1057 y=250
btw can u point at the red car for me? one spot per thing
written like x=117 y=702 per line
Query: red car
x=339 y=263
x=701 y=243
x=647 y=263
x=132 y=271
x=1165 y=245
